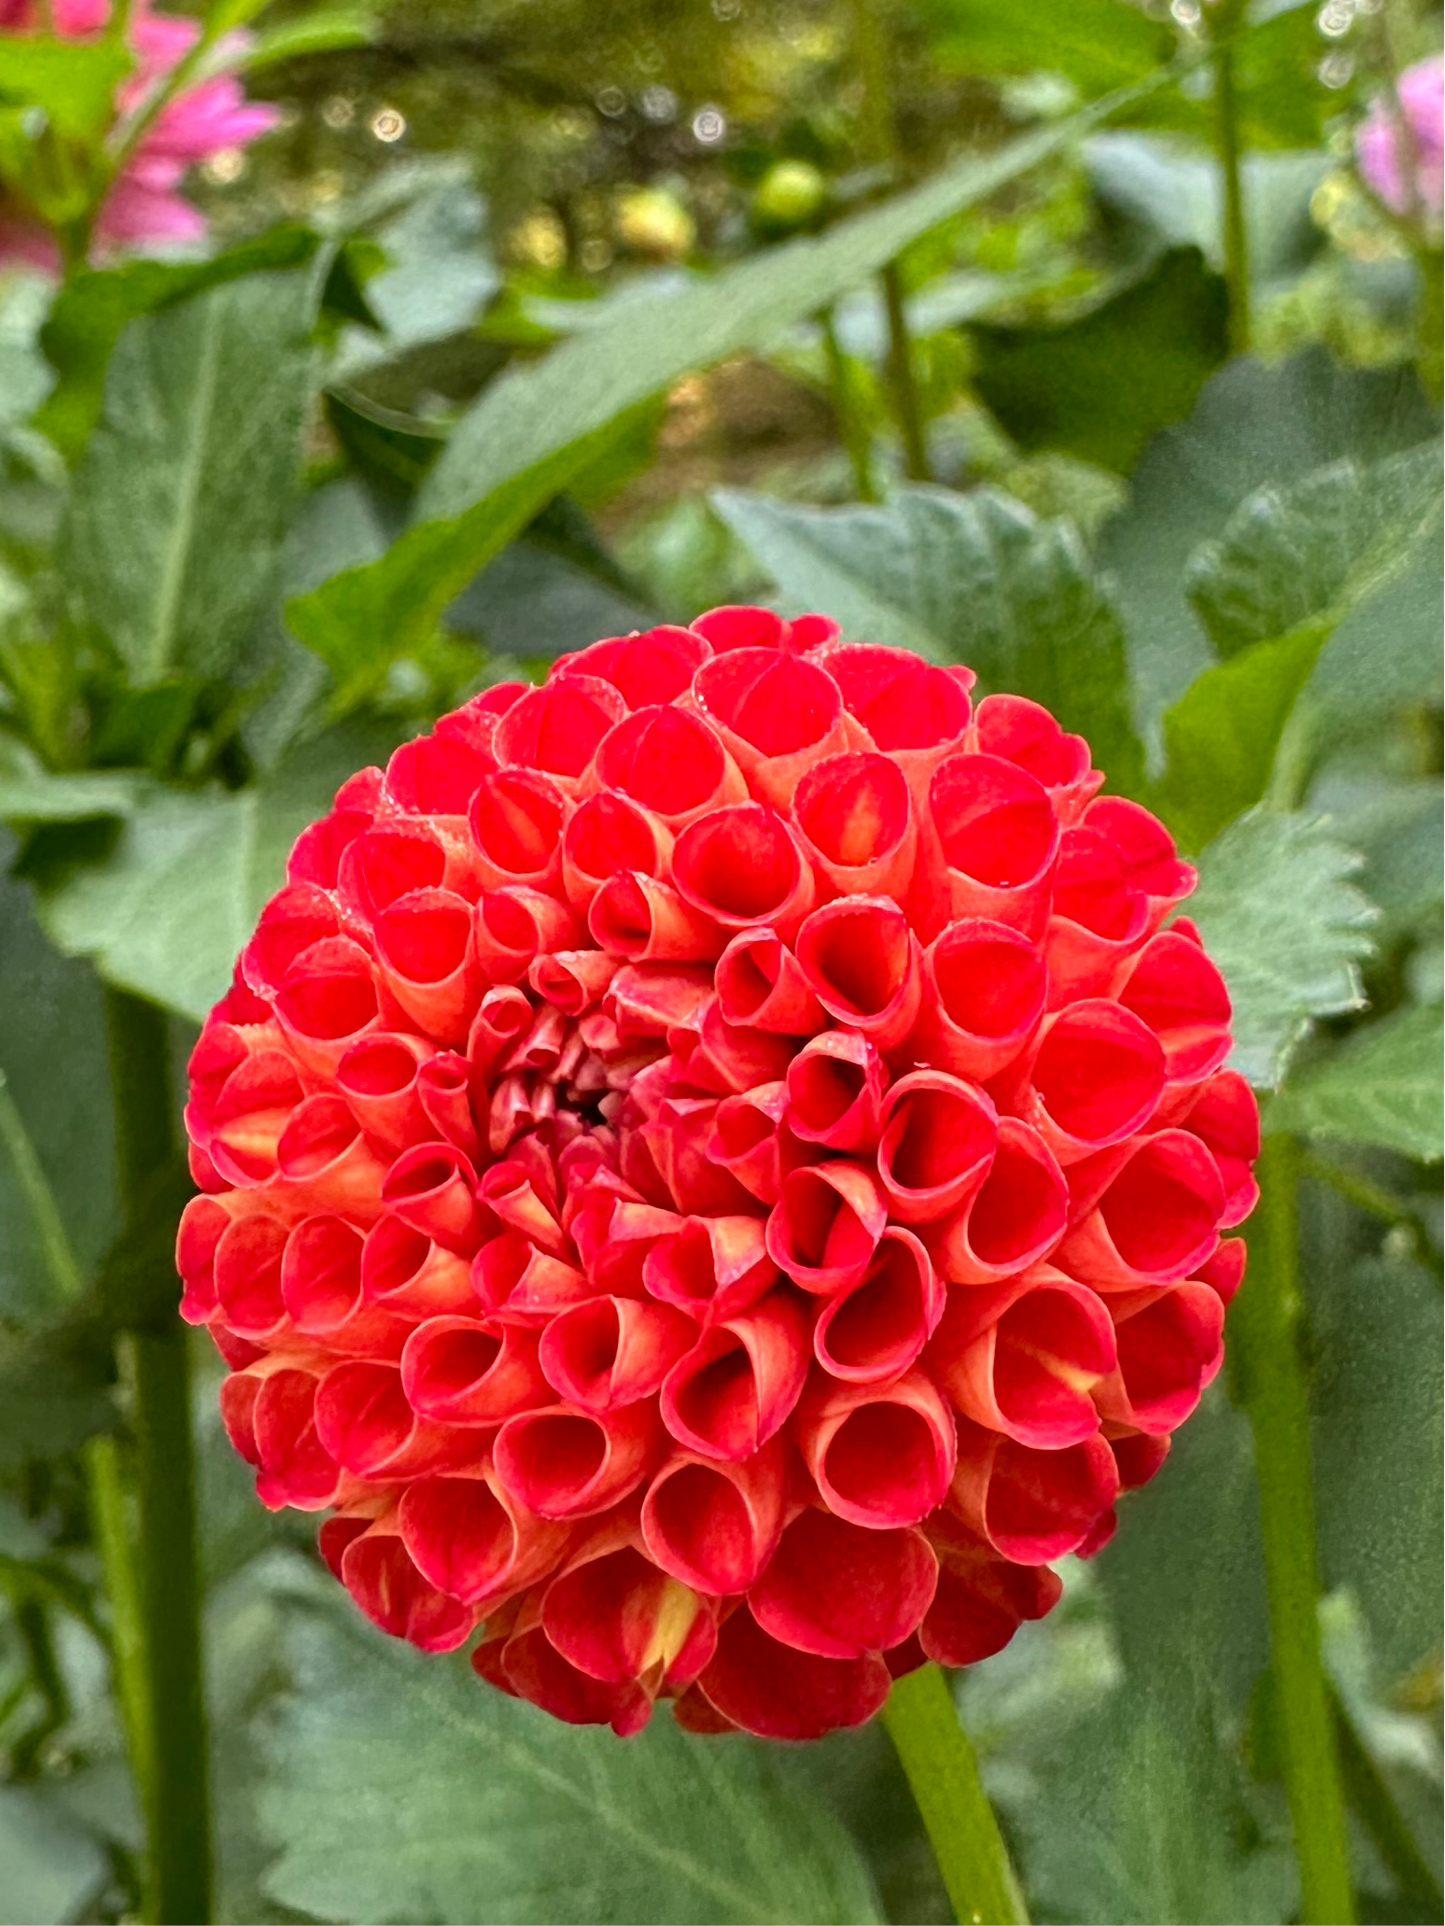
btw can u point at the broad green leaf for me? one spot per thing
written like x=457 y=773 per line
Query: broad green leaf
x=180 y=500
x=973 y=578
x=29 y=792
x=163 y=903
x=324 y=31
x=1284 y=922
x=1252 y=426
x=94 y=304
x=1311 y=552
x=1097 y=44
x=495 y=1813
x=74 y=81
x=1220 y=737
x=54 y=1868
x=24 y=378
x=1057 y=385
x=1382 y=1086
x=530 y=432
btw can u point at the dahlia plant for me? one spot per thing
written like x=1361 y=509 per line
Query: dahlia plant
x=713 y=1171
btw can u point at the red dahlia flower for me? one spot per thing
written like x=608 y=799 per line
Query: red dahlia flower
x=711 y=1169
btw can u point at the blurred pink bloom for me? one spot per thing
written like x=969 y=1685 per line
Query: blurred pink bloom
x=1378 y=147
x=145 y=204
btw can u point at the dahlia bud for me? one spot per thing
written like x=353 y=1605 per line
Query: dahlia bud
x=713 y=1171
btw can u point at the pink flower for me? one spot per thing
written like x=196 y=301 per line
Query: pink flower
x=1382 y=154
x=712 y=1170
x=144 y=204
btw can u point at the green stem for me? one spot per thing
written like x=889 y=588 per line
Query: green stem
x=1373 y=1803
x=1229 y=150
x=901 y=376
x=170 y=1707
x=1270 y=1377
x=942 y=1770
x=852 y=423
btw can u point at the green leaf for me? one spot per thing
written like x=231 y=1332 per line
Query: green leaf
x=1097 y=44
x=163 y=902
x=532 y=430
x=180 y=500
x=55 y=1390
x=496 y=1813
x=1253 y=425
x=1311 y=552
x=54 y=1867
x=1288 y=929
x=1382 y=1086
x=1221 y=736
x=94 y=304
x=29 y=792
x=327 y=30
x=74 y=81
x=1058 y=385
x=973 y=578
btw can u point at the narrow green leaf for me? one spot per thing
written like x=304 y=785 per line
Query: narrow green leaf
x=1383 y=1086
x=1096 y=43
x=29 y=792
x=170 y=541
x=1313 y=551
x=1282 y=919
x=325 y=31
x=163 y=902
x=74 y=81
x=973 y=578
x=1221 y=736
x=531 y=431
x=496 y=1813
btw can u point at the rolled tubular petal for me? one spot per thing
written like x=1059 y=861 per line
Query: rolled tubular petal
x=857 y=823
x=777 y=1692
x=1094 y=1078
x=738 y=1386
x=981 y=1599
x=609 y=836
x=566 y=1463
x=364 y=1420
x=775 y=714
x=472 y=1540
x=609 y=1351
x=1013 y=1220
x=321 y=1285
x=322 y=1147
x=760 y=983
x=1151 y=862
x=716 y=1525
x=1024 y=732
x=516 y=925
x=998 y=841
x=836 y=1085
x=328 y=1001
x=1170 y=1347
x=378 y=1571
x=711 y=1267
x=1099 y=918
x=938 y=1144
x=427 y=956
x=879 y=1326
x=1225 y=1119
x=863 y=963
x=516 y=819
x=671 y=764
x=753 y=1141
x=1025 y=1357
x=654 y=665
x=530 y=1667
x=378 y=1078
x=558 y=727
x=1224 y=1271
x=519 y=1282
x=826 y=1224
x=247 y=1274
x=617 y=1618
x=433 y=1189
x=1174 y=988
x=436 y=775
x=294 y=921
x=984 y=986
x=1031 y=1505
x=915 y=713
x=881 y=1455
x=459 y=1372
x=839 y=1591
x=742 y=866
x=636 y=917
x=1156 y=1220
x=405 y=1271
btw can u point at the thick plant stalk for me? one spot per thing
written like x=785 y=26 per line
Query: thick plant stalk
x=170 y=1734
x=942 y=1771
x=1270 y=1374
x=1229 y=150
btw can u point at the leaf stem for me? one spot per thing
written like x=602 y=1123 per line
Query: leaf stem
x=1269 y=1370
x=1229 y=151
x=934 y=1750
x=851 y=421
x=170 y=1708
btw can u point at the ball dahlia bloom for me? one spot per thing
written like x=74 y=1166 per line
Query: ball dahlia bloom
x=144 y=204
x=712 y=1170
x=1413 y=179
